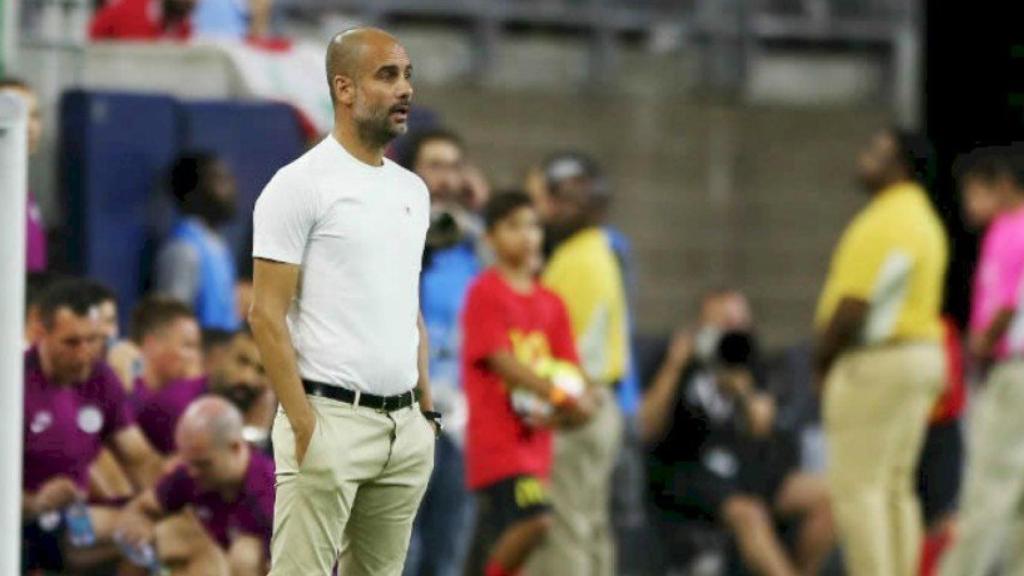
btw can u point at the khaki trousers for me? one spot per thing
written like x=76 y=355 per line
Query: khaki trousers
x=581 y=541
x=990 y=508
x=876 y=406
x=354 y=498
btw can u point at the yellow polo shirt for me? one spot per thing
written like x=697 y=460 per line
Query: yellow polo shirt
x=894 y=256
x=586 y=274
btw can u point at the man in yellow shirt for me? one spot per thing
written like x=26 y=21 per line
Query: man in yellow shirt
x=880 y=355
x=584 y=272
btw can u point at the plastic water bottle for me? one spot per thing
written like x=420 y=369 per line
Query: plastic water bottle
x=142 y=555
x=79 y=525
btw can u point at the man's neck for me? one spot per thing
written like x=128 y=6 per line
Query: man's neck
x=50 y=374
x=348 y=136
x=520 y=278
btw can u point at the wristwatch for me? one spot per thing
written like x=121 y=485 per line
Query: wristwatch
x=435 y=419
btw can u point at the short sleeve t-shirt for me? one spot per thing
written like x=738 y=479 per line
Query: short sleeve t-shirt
x=997 y=281
x=894 y=256
x=357 y=232
x=250 y=513
x=534 y=326
x=585 y=272
x=67 y=426
x=158 y=411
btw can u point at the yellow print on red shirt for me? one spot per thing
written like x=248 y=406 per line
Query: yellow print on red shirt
x=530 y=348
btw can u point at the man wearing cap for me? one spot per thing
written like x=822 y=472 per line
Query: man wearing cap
x=583 y=270
x=338 y=247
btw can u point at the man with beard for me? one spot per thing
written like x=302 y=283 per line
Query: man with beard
x=345 y=348
x=879 y=357
x=195 y=265
x=585 y=273
x=240 y=378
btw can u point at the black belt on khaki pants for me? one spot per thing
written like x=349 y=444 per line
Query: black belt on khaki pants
x=372 y=401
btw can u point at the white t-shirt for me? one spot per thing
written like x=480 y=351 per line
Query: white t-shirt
x=357 y=231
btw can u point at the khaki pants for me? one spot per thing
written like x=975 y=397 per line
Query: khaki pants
x=355 y=496
x=581 y=541
x=990 y=508
x=876 y=408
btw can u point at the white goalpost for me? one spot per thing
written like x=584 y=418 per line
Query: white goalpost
x=13 y=189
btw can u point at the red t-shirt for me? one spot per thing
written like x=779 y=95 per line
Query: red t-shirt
x=136 y=20
x=532 y=326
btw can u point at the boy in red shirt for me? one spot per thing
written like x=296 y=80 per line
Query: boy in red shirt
x=512 y=328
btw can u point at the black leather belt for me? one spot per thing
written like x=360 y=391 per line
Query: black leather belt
x=372 y=401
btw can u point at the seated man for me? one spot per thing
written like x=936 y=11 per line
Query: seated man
x=239 y=377
x=214 y=513
x=716 y=453
x=74 y=406
x=168 y=337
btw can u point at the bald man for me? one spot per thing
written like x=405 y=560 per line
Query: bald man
x=345 y=349
x=213 y=514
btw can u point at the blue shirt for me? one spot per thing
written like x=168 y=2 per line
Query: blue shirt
x=443 y=287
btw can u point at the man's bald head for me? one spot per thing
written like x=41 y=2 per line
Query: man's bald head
x=210 y=421
x=347 y=51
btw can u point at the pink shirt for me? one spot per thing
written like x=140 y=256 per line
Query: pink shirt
x=997 y=280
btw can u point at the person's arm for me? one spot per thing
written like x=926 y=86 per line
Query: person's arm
x=57 y=493
x=423 y=365
x=246 y=556
x=135 y=522
x=274 y=286
x=259 y=18
x=982 y=345
x=758 y=406
x=177 y=271
x=143 y=463
x=841 y=333
x=657 y=402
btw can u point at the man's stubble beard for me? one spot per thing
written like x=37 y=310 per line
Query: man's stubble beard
x=375 y=129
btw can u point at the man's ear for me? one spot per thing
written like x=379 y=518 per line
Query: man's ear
x=344 y=89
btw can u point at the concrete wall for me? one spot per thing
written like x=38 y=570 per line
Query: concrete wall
x=712 y=194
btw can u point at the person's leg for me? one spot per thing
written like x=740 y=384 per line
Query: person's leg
x=994 y=480
x=923 y=369
x=313 y=502
x=516 y=543
x=445 y=523
x=607 y=445
x=750 y=522
x=806 y=496
x=185 y=549
x=875 y=411
x=565 y=550
x=377 y=534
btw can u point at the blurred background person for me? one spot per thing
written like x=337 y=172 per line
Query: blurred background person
x=584 y=272
x=567 y=169
x=879 y=356
x=515 y=329
x=940 y=468
x=195 y=264
x=718 y=453
x=35 y=230
x=992 y=184
x=74 y=406
x=143 y=20
x=213 y=513
x=168 y=336
x=441 y=531
x=241 y=379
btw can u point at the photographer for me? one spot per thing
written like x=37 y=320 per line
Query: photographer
x=716 y=452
